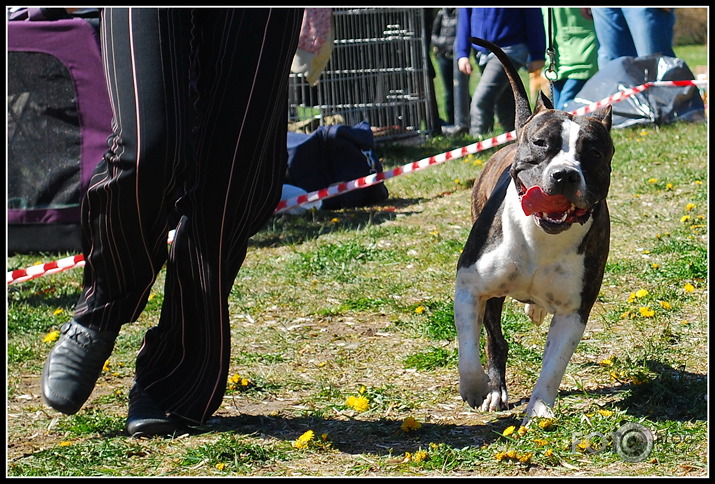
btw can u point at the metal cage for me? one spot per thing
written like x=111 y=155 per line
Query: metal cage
x=378 y=73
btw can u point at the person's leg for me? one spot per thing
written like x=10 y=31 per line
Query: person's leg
x=445 y=68
x=486 y=97
x=569 y=89
x=652 y=30
x=127 y=205
x=613 y=35
x=243 y=57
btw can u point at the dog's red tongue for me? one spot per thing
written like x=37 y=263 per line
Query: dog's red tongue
x=535 y=200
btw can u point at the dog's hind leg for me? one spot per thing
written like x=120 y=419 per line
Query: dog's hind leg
x=497 y=349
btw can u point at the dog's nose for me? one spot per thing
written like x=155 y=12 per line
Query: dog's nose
x=566 y=176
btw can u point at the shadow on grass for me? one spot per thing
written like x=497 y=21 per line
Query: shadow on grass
x=287 y=229
x=379 y=437
x=674 y=394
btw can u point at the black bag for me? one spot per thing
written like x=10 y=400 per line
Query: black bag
x=334 y=154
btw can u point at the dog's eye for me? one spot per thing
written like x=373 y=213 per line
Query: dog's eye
x=596 y=154
x=540 y=142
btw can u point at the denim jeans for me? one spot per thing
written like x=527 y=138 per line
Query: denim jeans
x=493 y=94
x=565 y=91
x=634 y=32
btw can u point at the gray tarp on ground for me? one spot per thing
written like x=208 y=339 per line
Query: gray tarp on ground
x=655 y=105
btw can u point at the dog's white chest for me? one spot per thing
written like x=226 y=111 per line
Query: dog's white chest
x=532 y=266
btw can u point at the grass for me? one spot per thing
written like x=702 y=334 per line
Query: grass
x=342 y=326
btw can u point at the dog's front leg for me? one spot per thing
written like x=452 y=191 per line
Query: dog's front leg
x=468 y=315
x=564 y=334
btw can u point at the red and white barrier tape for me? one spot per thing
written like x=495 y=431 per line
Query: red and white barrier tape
x=22 y=275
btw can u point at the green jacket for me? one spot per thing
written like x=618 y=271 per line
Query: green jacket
x=574 y=42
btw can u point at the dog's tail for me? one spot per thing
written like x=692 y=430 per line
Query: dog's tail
x=521 y=99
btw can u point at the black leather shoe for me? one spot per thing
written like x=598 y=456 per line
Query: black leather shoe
x=73 y=366
x=146 y=418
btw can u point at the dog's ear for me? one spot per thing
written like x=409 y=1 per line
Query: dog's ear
x=542 y=102
x=604 y=115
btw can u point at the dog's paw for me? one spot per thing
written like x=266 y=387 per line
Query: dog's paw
x=473 y=386
x=536 y=313
x=495 y=401
x=537 y=408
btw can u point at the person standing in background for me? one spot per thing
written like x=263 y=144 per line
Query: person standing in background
x=520 y=33
x=634 y=32
x=576 y=51
x=444 y=32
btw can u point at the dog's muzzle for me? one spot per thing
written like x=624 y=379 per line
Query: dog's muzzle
x=553 y=213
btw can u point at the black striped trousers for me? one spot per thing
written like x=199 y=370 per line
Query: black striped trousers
x=199 y=98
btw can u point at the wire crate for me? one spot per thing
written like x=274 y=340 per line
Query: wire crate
x=377 y=72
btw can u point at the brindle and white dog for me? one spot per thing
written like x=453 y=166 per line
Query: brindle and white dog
x=540 y=234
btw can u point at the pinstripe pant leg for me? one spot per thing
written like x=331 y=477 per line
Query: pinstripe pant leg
x=133 y=188
x=242 y=59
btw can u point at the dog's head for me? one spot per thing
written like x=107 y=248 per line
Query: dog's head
x=562 y=166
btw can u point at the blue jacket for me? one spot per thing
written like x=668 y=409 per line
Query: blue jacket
x=502 y=26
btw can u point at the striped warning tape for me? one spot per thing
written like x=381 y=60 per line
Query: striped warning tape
x=22 y=275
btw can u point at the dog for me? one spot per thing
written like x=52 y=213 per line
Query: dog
x=540 y=235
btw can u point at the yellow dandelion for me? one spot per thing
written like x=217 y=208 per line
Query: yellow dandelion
x=65 y=443
x=420 y=309
x=511 y=454
x=583 y=445
x=151 y=296
x=335 y=220
x=646 y=311
x=665 y=304
x=58 y=311
x=508 y=431
x=419 y=456
x=525 y=458
x=500 y=456
x=324 y=437
x=685 y=218
x=546 y=423
x=362 y=389
x=220 y=466
x=548 y=452
x=689 y=207
x=478 y=162
x=644 y=132
x=652 y=180
x=605 y=413
x=235 y=378
x=654 y=265
x=606 y=362
x=669 y=186
x=641 y=293
x=522 y=430
x=631 y=297
x=408 y=457
x=434 y=233
x=638 y=380
x=51 y=336
x=106 y=365
x=698 y=182
x=541 y=442
x=457 y=181
x=689 y=287
x=304 y=440
x=410 y=424
x=360 y=404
